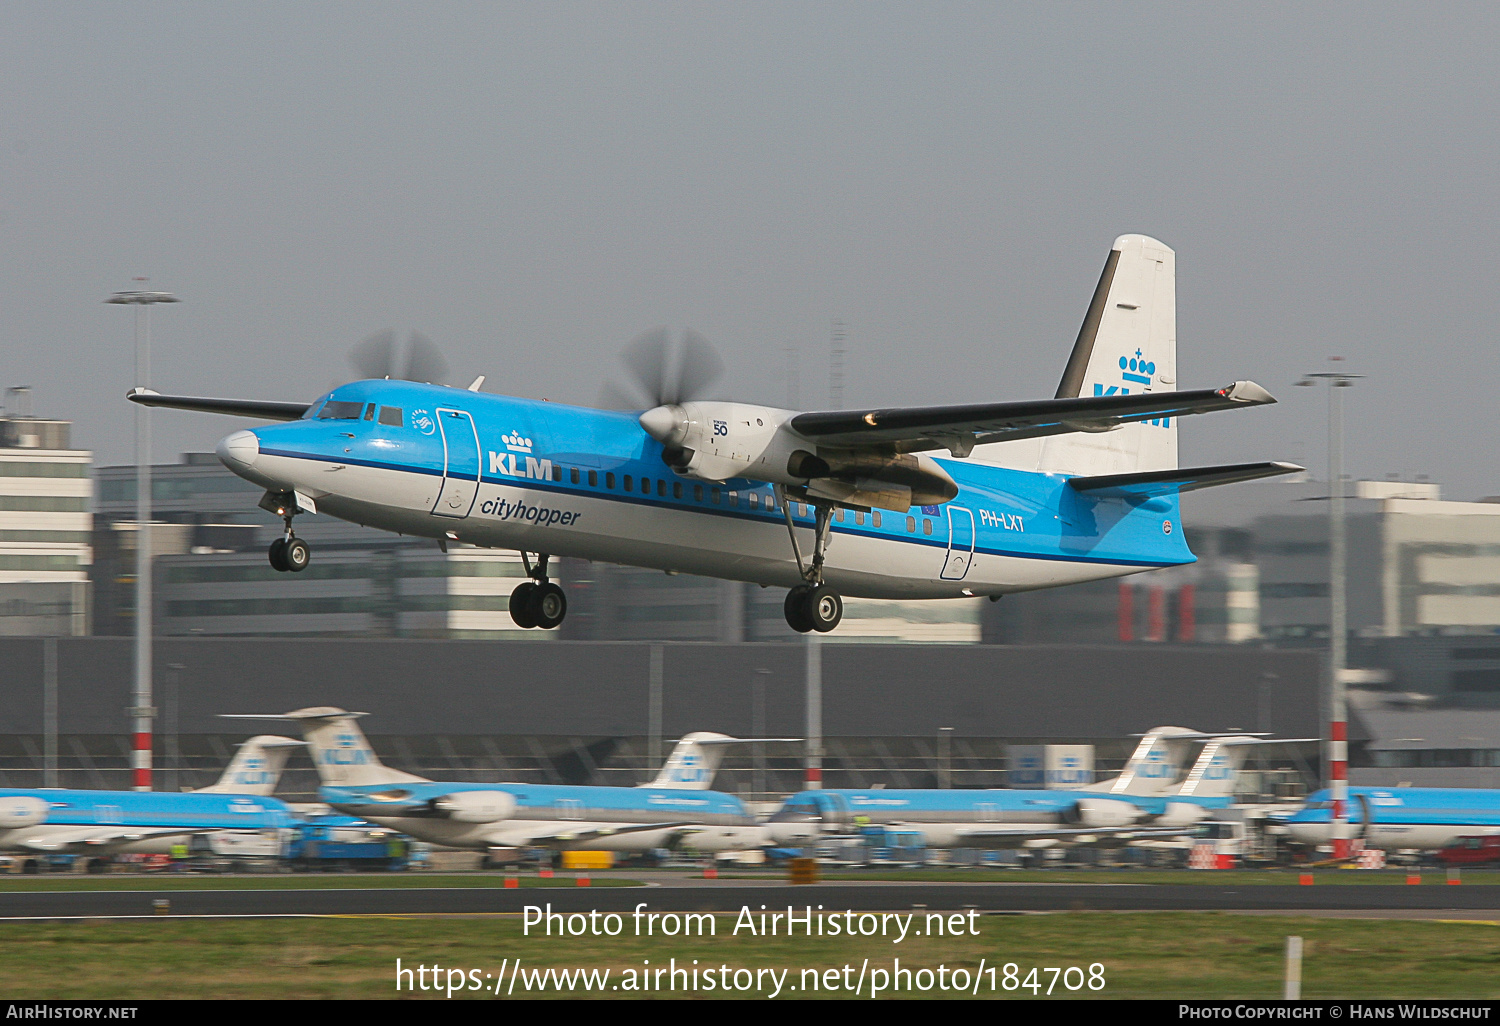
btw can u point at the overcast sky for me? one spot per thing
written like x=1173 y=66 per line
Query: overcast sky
x=533 y=185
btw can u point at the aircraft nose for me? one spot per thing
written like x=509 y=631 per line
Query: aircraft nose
x=238 y=451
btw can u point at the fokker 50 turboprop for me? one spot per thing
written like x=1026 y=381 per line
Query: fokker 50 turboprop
x=825 y=504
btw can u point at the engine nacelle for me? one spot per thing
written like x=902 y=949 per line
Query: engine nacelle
x=476 y=806
x=1101 y=812
x=21 y=811
x=1180 y=814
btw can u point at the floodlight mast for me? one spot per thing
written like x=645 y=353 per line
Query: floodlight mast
x=1338 y=625
x=142 y=712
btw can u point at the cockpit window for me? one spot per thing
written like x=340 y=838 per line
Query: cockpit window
x=795 y=811
x=390 y=415
x=335 y=410
x=370 y=412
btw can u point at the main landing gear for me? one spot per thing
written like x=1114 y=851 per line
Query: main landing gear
x=812 y=606
x=290 y=553
x=537 y=602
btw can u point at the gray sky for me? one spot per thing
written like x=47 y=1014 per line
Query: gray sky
x=533 y=185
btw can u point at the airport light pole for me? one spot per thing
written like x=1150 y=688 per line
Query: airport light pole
x=1338 y=619
x=142 y=712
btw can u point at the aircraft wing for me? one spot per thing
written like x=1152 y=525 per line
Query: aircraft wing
x=255 y=409
x=518 y=840
x=88 y=838
x=1170 y=482
x=1009 y=836
x=959 y=428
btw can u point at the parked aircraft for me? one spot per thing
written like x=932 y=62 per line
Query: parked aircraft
x=824 y=504
x=1152 y=797
x=515 y=815
x=1392 y=818
x=65 y=821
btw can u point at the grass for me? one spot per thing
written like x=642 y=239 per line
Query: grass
x=1156 y=955
x=289 y=881
x=1233 y=877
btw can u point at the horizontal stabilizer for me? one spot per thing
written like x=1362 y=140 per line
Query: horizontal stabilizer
x=255 y=409
x=1170 y=482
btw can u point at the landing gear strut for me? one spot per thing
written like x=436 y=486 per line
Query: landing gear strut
x=537 y=602
x=812 y=606
x=290 y=553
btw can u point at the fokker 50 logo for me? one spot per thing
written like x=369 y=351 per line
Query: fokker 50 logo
x=1137 y=370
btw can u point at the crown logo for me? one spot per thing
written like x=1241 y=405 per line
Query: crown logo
x=515 y=443
x=1137 y=369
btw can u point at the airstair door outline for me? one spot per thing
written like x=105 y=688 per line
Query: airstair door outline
x=960 y=543
x=460 y=464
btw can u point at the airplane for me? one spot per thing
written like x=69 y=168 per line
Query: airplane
x=1151 y=798
x=675 y=807
x=823 y=503
x=1395 y=818
x=66 y=821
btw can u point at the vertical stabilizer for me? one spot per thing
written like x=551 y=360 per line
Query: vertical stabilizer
x=1127 y=346
x=696 y=758
x=256 y=767
x=1155 y=765
x=338 y=747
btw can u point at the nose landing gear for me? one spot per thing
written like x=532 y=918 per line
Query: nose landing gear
x=538 y=602
x=289 y=553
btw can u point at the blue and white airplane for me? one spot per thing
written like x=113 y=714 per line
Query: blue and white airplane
x=676 y=807
x=57 y=820
x=1151 y=798
x=1393 y=818
x=822 y=503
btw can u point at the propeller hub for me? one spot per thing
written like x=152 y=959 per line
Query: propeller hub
x=667 y=424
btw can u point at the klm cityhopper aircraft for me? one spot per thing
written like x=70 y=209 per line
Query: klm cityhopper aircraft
x=1151 y=798
x=677 y=806
x=822 y=503
x=1393 y=818
x=46 y=820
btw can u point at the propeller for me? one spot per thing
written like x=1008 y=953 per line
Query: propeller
x=419 y=360
x=663 y=374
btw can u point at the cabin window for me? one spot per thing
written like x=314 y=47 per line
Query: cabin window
x=609 y=480
x=734 y=498
x=926 y=526
x=573 y=475
x=911 y=525
x=629 y=483
x=859 y=518
x=713 y=496
x=390 y=415
x=557 y=472
x=333 y=410
x=838 y=515
x=677 y=490
x=645 y=486
x=593 y=479
x=875 y=518
x=697 y=493
x=661 y=488
x=754 y=501
x=370 y=412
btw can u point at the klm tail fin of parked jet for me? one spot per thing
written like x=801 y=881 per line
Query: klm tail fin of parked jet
x=256 y=767
x=696 y=759
x=1156 y=764
x=1127 y=346
x=338 y=747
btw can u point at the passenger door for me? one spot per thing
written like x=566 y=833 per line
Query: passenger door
x=460 y=464
x=960 y=543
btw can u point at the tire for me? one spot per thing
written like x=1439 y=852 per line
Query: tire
x=278 y=556
x=796 y=610
x=521 y=610
x=549 y=605
x=296 y=555
x=825 y=608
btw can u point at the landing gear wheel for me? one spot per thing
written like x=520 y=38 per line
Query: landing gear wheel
x=278 y=556
x=797 y=617
x=296 y=555
x=824 y=608
x=548 y=605
x=522 y=610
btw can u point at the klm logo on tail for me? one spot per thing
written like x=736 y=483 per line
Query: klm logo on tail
x=348 y=752
x=254 y=773
x=690 y=770
x=1136 y=370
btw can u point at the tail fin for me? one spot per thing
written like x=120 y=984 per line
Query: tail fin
x=338 y=747
x=256 y=767
x=1127 y=345
x=1155 y=765
x=696 y=759
x=1216 y=770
